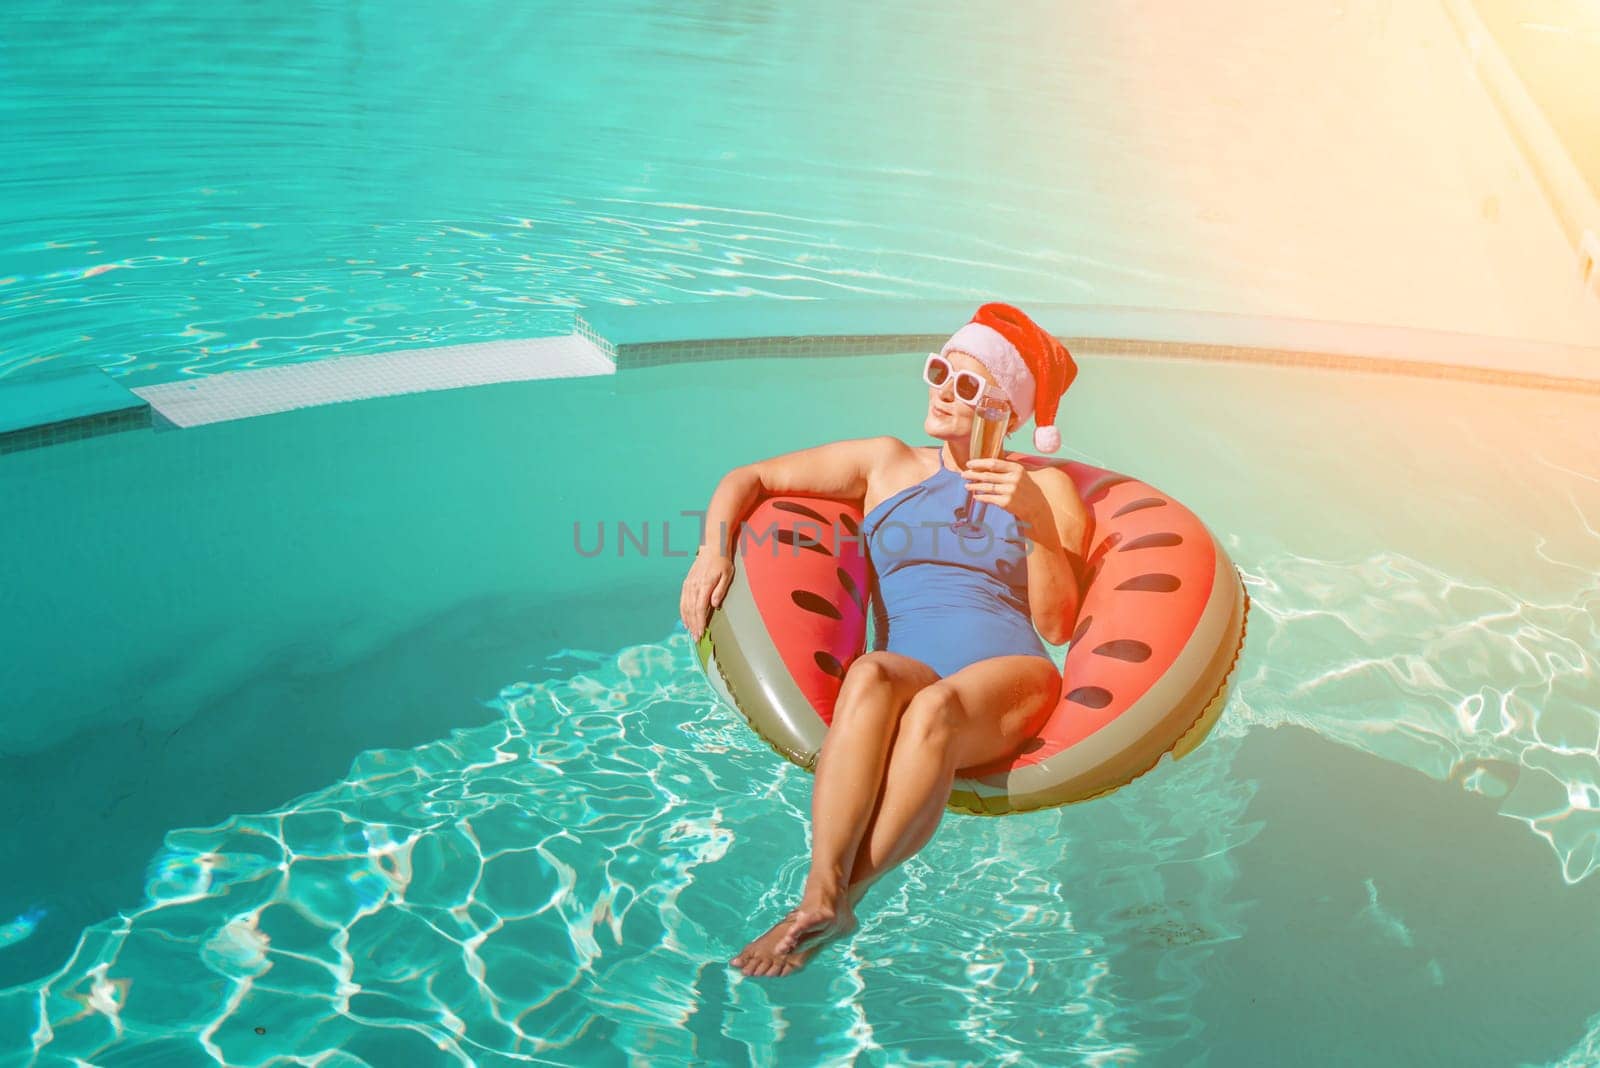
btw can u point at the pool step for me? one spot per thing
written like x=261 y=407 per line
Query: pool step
x=241 y=394
x=51 y=407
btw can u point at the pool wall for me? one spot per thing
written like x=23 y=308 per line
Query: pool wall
x=141 y=569
x=144 y=573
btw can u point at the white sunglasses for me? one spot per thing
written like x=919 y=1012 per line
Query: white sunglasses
x=970 y=385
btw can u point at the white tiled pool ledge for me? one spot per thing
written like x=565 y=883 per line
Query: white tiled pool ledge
x=241 y=394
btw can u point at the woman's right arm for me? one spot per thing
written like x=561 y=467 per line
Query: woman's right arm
x=840 y=469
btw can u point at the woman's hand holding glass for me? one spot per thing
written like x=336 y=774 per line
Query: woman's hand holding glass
x=991 y=416
x=1005 y=484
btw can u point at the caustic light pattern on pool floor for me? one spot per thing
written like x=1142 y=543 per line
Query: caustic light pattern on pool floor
x=569 y=881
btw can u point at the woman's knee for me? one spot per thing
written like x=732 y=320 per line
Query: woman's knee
x=870 y=670
x=933 y=718
x=873 y=687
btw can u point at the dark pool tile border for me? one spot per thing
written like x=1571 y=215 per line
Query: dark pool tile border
x=92 y=426
x=644 y=336
x=639 y=355
x=52 y=407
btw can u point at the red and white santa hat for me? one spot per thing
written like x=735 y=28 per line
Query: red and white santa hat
x=1031 y=366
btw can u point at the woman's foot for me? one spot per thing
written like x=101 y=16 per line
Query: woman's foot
x=790 y=942
x=820 y=917
x=761 y=956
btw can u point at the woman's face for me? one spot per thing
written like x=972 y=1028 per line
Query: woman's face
x=950 y=419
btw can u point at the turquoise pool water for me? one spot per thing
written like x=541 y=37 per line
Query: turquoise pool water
x=198 y=189
x=352 y=752
x=236 y=185
x=322 y=745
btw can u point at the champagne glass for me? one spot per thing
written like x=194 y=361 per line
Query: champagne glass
x=989 y=421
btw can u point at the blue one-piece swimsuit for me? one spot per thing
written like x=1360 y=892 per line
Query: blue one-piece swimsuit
x=946 y=600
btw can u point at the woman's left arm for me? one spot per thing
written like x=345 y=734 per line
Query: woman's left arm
x=1053 y=518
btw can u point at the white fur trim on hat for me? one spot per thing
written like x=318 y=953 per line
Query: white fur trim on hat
x=1001 y=359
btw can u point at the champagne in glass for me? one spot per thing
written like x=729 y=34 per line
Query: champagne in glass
x=989 y=421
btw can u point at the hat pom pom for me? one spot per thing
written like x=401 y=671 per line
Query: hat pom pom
x=1046 y=438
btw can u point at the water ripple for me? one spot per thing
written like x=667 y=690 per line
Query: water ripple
x=567 y=876
x=1402 y=660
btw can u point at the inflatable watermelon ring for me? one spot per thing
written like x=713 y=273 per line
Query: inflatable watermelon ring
x=1160 y=627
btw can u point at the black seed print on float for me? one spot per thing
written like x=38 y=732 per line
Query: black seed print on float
x=1138 y=506
x=815 y=603
x=803 y=541
x=1154 y=582
x=1129 y=649
x=1090 y=696
x=1164 y=540
x=1098 y=558
x=849 y=585
x=828 y=663
x=1083 y=628
x=800 y=509
x=1098 y=493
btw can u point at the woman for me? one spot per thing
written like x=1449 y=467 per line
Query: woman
x=960 y=676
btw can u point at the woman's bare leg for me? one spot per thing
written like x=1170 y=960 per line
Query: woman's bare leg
x=849 y=776
x=938 y=733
